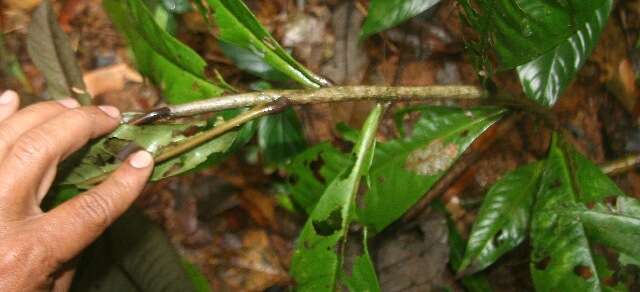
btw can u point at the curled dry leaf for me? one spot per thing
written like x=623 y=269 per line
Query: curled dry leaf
x=109 y=79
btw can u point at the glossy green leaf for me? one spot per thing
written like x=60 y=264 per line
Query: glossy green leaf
x=317 y=263
x=250 y=62
x=472 y=283
x=240 y=27
x=175 y=68
x=616 y=226
x=101 y=156
x=133 y=255
x=562 y=259
x=403 y=170
x=385 y=14
x=280 y=137
x=363 y=275
x=177 y=6
x=51 y=52
x=522 y=30
x=503 y=220
x=546 y=77
x=306 y=187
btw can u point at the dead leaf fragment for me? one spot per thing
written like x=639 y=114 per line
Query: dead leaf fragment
x=110 y=79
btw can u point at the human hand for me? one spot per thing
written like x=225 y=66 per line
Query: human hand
x=37 y=248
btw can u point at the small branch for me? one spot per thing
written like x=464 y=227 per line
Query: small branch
x=621 y=166
x=205 y=136
x=330 y=94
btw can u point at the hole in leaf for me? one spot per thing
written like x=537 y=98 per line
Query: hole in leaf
x=591 y=205
x=315 y=166
x=583 y=271
x=330 y=225
x=556 y=184
x=465 y=133
x=610 y=281
x=544 y=263
x=498 y=238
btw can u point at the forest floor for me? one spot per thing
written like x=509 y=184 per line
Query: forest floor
x=227 y=219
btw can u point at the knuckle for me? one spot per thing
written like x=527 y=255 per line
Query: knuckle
x=34 y=144
x=87 y=118
x=94 y=209
x=6 y=136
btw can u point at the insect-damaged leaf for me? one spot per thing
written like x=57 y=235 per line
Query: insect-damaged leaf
x=240 y=27
x=363 y=276
x=503 y=220
x=385 y=14
x=174 y=67
x=317 y=262
x=49 y=48
x=100 y=158
x=562 y=258
x=403 y=170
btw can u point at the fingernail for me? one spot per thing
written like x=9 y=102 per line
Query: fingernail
x=110 y=111
x=8 y=97
x=141 y=159
x=69 y=103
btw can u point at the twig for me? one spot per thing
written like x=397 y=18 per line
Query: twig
x=621 y=166
x=326 y=95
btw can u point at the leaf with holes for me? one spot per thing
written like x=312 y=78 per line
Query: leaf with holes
x=385 y=14
x=307 y=183
x=317 y=262
x=503 y=220
x=411 y=165
x=175 y=68
x=546 y=77
x=240 y=27
x=562 y=259
x=51 y=52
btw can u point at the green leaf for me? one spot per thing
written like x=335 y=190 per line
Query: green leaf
x=562 y=259
x=250 y=62
x=385 y=14
x=51 y=52
x=503 y=220
x=616 y=226
x=472 y=283
x=280 y=137
x=240 y=27
x=200 y=282
x=174 y=67
x=133 y=255
x=317 y=262
x=403 y=170
x=100 y=157
x=546 y=77
x=363 y=275
x=522 y=30
x=306 y=187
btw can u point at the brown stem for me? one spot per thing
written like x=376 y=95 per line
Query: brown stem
x=621 y=166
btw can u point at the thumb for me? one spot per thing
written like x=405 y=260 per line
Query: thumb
x=78 y=222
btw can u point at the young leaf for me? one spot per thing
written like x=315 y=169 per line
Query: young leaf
x=306 y=187
x=385 y=14
x=404 y=170
x=240 y=27
x=174 y=67
x=546 y=77
x=317 y=263
x=562 y=258
x=280 y=137
x=51 y=52
x=503 y=220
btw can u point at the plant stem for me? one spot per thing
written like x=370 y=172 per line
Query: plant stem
x=203 y=137
x=329 y=94
x=621 y=166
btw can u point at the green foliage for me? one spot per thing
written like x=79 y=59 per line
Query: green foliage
x=51 y=52
x=250 y=62
x=238 y=26
x=177 y=6
x=503 y=220
x=546 y=77
x=411 y=165
x=384 y=14
x=317 y=263
x=174 y=67
x=363 y=275
x=472 y=283
x=547 y=41
x=280 y=137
